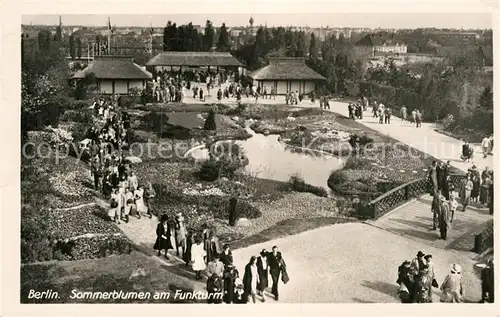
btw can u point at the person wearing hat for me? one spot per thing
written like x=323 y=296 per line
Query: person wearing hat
x=405 y=282
x=226 y=256
x=452 y=287
x=161 y=236
x=487 y=283
x=417 y=263
x=423 y=285
x=215 y=267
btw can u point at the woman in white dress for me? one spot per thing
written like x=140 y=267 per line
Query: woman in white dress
x=115 y=207
x=198 y=257
x=129 y=202
x=251 y=278
x=139 y=201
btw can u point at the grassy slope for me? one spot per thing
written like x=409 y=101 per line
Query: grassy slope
x=103 y=275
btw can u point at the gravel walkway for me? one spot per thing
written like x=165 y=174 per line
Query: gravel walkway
x=354 y=263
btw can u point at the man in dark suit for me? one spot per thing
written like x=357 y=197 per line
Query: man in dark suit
x=487 y=283
x=226 y=256
x=263 y=271
x=276 y=263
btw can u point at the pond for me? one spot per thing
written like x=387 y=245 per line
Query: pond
x=271 y=159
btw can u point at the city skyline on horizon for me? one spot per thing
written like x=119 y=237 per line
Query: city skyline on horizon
x=344 y=20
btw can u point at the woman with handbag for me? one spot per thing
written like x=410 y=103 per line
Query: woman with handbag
x=431 y=275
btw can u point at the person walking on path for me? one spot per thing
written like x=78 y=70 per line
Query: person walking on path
x=444 y=218
x=476 y=184
x=263 y=270
x=433 y=178
x=436 y=210
x=405 y=282
x=431 y=275
x=487 y=283
x=180 y=235
x=161 y=236
x=418 y=263
x=388 y=114
x=226 y=256
x=453 y=207
x=215 y=267
x=485 y=186
x=423 y=286
x=215 y=289
x=277 y=266
x=414 y=116
x=198 y=257
x=452 y=287
x=490 y=150
x=465 y=190
x=404 y=113
x=251 y=279
x=418 y=119
x=485 y=145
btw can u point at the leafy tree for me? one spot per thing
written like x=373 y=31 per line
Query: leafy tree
x=209 y=36
x=72 y=50
x=78 y=47
x=313 y=46
x=223 y=44
x=44 y=40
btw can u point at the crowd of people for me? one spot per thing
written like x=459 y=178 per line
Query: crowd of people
x=203 y=251
x=417 y=278
x=111 y=171
x=475 y=187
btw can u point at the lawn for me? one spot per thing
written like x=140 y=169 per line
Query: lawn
x=114 y=273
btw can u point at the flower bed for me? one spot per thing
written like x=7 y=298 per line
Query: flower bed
x=92 y=246
x=195 y=208
x=64 y=224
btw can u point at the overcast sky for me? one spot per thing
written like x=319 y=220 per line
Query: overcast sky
x=371 y=20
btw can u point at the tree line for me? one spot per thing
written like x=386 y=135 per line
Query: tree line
x=187 y=38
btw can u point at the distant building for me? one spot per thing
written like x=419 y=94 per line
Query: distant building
x=385 y=44
x=287 y=74
x=456 y=38
x=115 y=74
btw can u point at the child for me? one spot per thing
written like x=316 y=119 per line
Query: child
x=453 y=206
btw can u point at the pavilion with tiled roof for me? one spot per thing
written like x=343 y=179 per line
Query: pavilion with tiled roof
x=287 y=74
x=171 y=59
x=116 y=74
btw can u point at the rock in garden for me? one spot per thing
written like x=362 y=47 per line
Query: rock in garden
x=291 y=119
x=235 y=118
x=243 y=222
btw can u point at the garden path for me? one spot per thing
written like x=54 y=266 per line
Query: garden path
x=354 y=263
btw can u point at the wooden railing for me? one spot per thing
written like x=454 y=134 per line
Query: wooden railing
x=400 y=195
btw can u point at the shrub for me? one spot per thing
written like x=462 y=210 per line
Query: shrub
x=336 y=179
x=127 y=101
x=210 y=121
x=299 y=185
x=356 y=163
x=79 y=131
